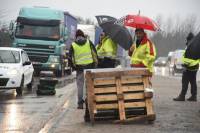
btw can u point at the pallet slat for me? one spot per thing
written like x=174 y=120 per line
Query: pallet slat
x=126 y=88
x=113 y=97
x=115 y=105
x=104 y=82
x=131 y=80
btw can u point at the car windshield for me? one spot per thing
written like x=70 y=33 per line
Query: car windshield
x=9 y=56
x=38 y=32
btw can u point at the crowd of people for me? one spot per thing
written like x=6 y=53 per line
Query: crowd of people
x=84 y=55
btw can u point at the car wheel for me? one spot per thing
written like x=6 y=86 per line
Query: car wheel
x=59 y=73
x=30 y=85
x=19 y=90
x=69 y=71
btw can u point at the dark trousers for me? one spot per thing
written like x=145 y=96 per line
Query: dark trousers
x=106 y=63
x=189 y=77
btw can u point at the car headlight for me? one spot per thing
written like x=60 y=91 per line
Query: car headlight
x=12 y=72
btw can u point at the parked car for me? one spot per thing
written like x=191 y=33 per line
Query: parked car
x=177 y=62
x=16 y=71
x=161 y=61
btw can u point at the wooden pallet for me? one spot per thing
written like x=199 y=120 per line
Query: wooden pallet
x=118 y=94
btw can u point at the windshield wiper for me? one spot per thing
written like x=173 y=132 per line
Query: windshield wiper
x=14 y=57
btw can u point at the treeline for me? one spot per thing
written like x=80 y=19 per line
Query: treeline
x=173 y=33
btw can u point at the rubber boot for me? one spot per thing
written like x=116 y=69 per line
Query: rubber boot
x=179 y=98
x=192 y=98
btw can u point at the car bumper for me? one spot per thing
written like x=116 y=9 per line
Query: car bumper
x=10 y=82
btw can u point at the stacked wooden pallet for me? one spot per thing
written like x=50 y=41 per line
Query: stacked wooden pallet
x=118 y=94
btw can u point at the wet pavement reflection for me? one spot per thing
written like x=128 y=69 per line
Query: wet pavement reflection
x=162 y=71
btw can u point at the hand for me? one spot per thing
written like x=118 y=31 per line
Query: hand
x=132 y=48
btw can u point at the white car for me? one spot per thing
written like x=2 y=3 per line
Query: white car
x=16 y=71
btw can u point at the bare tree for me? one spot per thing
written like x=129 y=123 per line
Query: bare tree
x=174 y=32
x=84 y=21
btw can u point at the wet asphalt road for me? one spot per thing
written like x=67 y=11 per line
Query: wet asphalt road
x=32 y=113
x=29 y=112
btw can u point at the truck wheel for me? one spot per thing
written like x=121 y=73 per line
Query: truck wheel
x=59 y=73
x=69 y=71
x=19 y=90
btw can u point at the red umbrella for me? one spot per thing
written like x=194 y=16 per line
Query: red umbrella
x=137 y=21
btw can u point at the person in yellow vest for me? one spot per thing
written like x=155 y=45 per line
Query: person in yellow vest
x=143 y=52
x=189 y=75
x=107 y=52
x=82 y=55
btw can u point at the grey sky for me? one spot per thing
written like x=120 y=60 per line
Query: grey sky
x=116 y=8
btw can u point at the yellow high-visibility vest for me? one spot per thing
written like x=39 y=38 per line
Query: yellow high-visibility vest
x=82 y=53
x=144 y=54
x=107 y=49
x=190 y=63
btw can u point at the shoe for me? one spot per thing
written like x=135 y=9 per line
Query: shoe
x=80 y=106
x=179 y=98
x=192 y=98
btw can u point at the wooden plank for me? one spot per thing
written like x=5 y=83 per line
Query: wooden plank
x=119 y=73
x=149 y=104
x=113 y=89
x=90 y=95
x=104 y=81
x=115 y=105
x=131 y=80
x=133 y=96
x=136 y=118
x=105 y=90
x=133 y=88
x=106 y=98
x=107 y=106
x=121 y=106
x=135 y=105
x=113 y=97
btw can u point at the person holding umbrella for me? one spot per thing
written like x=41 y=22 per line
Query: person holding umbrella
x=82 y=56
x=143 y=53
x=107 y=52
x=189 y=75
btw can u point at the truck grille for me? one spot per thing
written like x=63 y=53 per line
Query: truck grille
x=38 y=53
x=3 y=81
x=38 y=46
x=38 y=57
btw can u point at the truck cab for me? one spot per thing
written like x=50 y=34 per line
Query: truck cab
x=42 y=33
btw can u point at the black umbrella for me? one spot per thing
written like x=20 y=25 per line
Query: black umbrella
x=119 y=34
x=104 y=18
x=193 y=49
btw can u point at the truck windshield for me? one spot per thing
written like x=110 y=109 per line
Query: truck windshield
x=38 y=32
x=8 y=56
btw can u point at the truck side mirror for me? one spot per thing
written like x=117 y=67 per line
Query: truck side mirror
x=61 y=40
x=11 y=29
x=65 y=34
x=11 y=26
